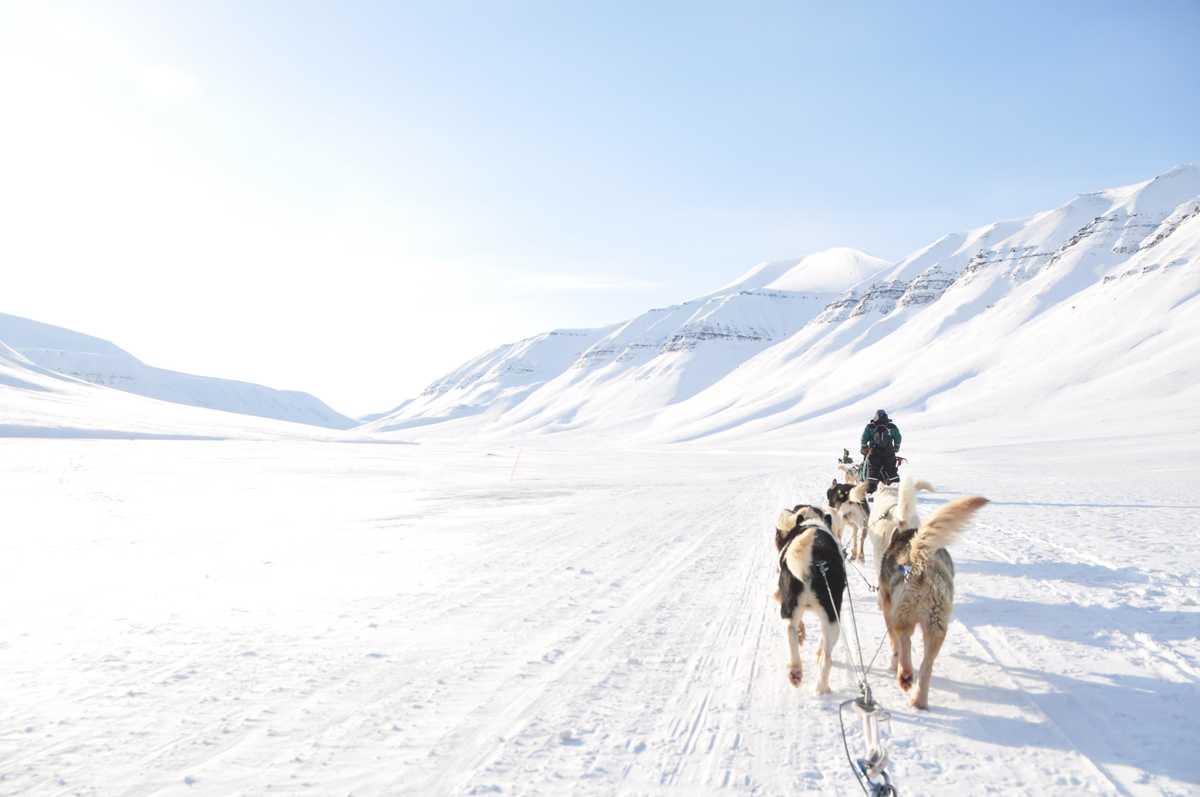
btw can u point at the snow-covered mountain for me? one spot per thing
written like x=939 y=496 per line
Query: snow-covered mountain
x=492 y=382
x=1090 y=305
x=103 y=363
x=1088 y=310
x=586 y=377
x=39 y=402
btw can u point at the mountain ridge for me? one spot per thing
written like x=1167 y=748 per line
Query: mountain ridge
x=101 y=362
x=745 y=315
x=747 y=359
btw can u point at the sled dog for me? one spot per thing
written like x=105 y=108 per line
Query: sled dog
x=883 y=508
x=812 y=578
x=848 y=514
x=916 y=578
x=847 y=473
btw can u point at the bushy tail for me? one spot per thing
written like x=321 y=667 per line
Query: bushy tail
x=799 y=554
x=906 y=502
x=942 y=528
x=859 y=494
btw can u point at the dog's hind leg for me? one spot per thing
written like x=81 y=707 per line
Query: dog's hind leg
x=885 y=606
x=795 y=635
x=904 y=673
x=830 y=631
x=895 y=649
x=933 y=637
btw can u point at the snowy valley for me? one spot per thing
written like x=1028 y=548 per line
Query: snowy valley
x=552 y=571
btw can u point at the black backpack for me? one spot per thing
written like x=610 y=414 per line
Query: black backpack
x=881 y=437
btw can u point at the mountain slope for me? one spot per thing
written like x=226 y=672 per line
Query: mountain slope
x=613 y=375
x=1087 y=310
x=101 y=362
x=39 y=402
x=492 y=382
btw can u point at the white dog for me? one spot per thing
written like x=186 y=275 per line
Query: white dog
x=886 y=510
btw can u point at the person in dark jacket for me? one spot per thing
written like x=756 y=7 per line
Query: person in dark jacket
x=880 y=442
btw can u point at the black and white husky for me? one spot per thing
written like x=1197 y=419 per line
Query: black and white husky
x=811 y=578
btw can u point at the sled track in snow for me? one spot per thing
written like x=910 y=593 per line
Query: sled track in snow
x=662 y=637
x=609 y=635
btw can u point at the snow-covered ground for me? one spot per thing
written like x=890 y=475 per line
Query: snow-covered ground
x=292 y=617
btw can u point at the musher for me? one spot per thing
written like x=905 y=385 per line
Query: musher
x=880 y=442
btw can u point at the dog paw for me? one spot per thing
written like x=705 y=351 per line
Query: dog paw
x=923 y=705
x=905 y=679
x=823 y=689
x=794 y=676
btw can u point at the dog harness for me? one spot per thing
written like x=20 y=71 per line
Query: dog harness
x=904 y=536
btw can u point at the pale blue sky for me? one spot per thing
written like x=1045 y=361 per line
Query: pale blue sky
x=351 y=198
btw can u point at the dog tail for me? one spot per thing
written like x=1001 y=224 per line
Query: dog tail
x=906 y=501
x=941 y=529
x=859 y=494
x=799 y=554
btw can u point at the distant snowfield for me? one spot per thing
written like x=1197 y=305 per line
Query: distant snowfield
x=190 y=617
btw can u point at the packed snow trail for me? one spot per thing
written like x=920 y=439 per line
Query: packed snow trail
x=217 y=618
